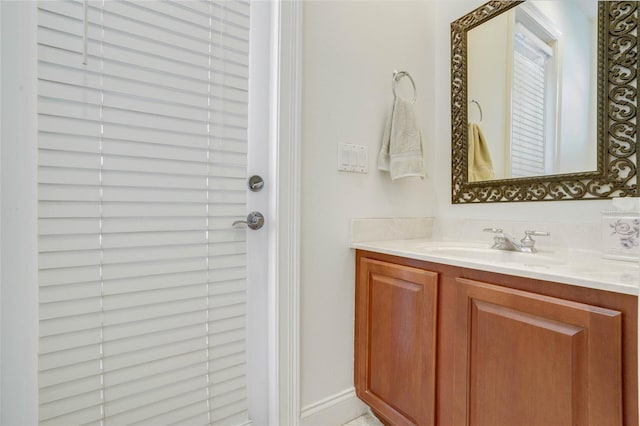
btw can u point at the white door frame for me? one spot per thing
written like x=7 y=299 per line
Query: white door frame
x=284 y=276
x=19 y=195
x=18 y=218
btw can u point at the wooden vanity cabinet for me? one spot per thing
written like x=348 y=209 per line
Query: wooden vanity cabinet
x=527 y=359
x=395 y=340
x=488 y=349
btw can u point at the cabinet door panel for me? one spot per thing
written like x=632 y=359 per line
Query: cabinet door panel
x=395 y=341
x=528 y=359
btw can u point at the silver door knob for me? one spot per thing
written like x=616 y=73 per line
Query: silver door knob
x=254 y=221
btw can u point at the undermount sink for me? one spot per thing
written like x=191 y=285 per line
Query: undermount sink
x=474 y=252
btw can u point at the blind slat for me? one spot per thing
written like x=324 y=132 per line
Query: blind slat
x=121 y=77
x=81 y=416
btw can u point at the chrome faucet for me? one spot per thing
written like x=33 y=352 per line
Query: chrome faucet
x=504 y=241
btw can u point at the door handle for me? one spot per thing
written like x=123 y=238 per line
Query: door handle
x=254 y=221
x=255 y=183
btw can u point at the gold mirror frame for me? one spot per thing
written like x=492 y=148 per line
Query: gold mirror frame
x=616 y=174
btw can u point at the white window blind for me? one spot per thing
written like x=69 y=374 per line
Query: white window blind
x=528 y=106
x=142 y=169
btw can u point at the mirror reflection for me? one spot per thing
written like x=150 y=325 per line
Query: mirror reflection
x=532 y=91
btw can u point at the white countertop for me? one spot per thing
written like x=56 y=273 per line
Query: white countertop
x=575 y=267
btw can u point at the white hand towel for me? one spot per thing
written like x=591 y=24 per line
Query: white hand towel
x=401 y=152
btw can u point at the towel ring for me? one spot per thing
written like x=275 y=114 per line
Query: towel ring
x=397 y=75
x=473 y=101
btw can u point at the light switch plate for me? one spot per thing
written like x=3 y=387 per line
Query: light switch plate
x=353 y=158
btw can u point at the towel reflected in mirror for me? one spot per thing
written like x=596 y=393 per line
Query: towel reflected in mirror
x=480 y=165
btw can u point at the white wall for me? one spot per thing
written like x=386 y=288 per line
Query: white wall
x=548 y=211
x=350 y=50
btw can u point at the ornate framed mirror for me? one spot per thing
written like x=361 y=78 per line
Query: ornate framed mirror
x=614 y=119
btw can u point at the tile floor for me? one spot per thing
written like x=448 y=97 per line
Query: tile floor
x=365 y=420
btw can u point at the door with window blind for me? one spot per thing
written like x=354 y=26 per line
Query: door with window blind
x=145 y=312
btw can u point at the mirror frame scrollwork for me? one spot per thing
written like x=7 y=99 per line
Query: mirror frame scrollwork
x=618 y=154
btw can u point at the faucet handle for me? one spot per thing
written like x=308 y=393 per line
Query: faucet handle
x=536 y=234
x=494 y=230
x=529 y=242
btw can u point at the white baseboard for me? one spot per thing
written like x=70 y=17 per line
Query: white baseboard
x=335 y=410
